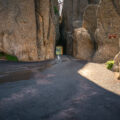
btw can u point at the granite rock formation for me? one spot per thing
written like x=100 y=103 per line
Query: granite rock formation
x=72 y=18
x=100 y=19
x=83 y=45
x=108 y=30
x=85 y=35
x=116 y=63
x=47 y=28
x=28 y=30
x=18 y=29
x=90 y=19
x=73 y=11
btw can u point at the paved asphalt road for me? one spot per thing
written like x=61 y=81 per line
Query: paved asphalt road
x=53 y=91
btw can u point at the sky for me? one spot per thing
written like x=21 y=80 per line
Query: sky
x=61 y=6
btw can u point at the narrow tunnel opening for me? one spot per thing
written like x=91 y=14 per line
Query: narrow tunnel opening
x=61 y=41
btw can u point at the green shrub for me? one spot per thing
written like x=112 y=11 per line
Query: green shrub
x=56 y=11
x=8 y=57
x=11 y=58
x=110 y=64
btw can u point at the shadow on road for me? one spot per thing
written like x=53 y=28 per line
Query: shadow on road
x=58 y=93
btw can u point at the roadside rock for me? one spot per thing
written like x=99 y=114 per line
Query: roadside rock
x=29 y=29
x=107 y=26
x=18 y=29
x=116 y=63
x=73 y=11
x=72 y=18
x=83 y=46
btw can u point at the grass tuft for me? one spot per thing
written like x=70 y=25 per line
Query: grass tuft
x=110 y=64
x=56 y=11
x=8 y=57
x=11 y=58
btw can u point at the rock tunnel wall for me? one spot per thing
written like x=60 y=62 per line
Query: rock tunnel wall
x=91 y=28
x=73 y=11
x=47 y=28
x=29 y=30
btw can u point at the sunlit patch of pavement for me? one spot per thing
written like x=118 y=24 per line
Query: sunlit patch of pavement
x=100 y=75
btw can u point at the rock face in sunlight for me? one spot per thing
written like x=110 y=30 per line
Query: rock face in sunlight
x=83 y=46
x=28 y=29
x=108 y=28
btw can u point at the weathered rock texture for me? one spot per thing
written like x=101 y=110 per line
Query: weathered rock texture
x=18 y=29
x=85 y=35
x=83 y=45
x=90 y=19
x=47 y=28
x=116 y=63
x=107 y=24
x=28 y=29
x=101 y=21
x=73 y=11
x=72 y=18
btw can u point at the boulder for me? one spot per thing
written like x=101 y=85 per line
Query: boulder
x=83 y=46
x=116 y=63
x=108 y=30
x=73 y=11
